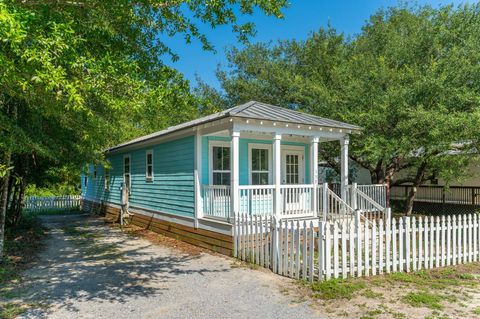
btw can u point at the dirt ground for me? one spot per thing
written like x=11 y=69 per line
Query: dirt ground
x=92 y=270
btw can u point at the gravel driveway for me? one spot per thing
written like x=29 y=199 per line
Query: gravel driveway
x=89 y=270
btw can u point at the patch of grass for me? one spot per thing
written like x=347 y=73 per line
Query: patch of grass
x=424 y=299
x=11 y=310
x=476 y=311
x=53 y=211
x=336 y=288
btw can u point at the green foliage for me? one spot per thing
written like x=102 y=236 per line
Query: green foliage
x=336 y=288
x=424 y=299
x=411 y=79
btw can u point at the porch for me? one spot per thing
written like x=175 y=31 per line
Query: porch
x=261 y=159
x=298 y=201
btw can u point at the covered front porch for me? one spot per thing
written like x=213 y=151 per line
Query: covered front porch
x=262 y=166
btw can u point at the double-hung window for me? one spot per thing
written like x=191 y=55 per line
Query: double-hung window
x=149 y=166
x=220 y=165
x=259 y=165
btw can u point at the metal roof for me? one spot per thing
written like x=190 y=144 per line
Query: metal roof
x=250 y=110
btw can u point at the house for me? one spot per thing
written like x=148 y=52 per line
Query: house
x=188 y=180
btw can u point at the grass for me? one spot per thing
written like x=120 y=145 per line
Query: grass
x=336 y=288
x=442 y=293
x=53 y=211
x=424 y=299
x=11 y=310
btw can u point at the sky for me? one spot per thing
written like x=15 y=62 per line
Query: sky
x=301 y=18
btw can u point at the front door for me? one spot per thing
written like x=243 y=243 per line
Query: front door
x=293 y=169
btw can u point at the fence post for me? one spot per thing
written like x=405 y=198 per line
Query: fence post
x=321 y=250
x=325 y=201
x=353 y=198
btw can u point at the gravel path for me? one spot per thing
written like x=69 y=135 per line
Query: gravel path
x=89 y=270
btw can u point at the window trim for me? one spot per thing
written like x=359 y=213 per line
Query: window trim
x=147 y=178
x=129 y=171
x=211 y=145
x=268 y=147
x=106 y=175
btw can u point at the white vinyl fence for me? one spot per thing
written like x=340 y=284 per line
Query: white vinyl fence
x=39 y=204
x=311 y=249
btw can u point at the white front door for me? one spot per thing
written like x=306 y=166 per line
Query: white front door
x=293 y=172
x=293 y=167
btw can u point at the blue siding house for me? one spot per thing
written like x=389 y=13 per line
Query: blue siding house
x=188 y=180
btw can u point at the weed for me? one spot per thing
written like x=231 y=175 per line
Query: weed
x=424 y=299
x=476 y=311
x=11 y=310
x=337 y=288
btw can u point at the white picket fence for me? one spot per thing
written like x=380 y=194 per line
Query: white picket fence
x=39 y=204
x=311 y=249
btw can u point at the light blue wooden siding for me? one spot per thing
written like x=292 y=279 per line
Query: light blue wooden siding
x=172 y=189
x=243 y=159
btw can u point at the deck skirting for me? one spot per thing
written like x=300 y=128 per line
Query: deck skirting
x=162 y=224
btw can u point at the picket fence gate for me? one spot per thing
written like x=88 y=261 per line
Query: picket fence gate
x=313 y=249
x=39 y=204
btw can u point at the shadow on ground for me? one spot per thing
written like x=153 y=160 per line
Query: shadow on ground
x=85 y=261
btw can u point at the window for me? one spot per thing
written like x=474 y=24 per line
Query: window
x=85 y=181
x=95 y=172
x=126 y=171
x=220 y=165
x=107 y=178
x=259 y=164
x=149 y=166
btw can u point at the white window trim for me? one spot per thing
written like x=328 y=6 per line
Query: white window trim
x=270 y=162
x=211 y=145
x=106 y=185
x=129 y=169
x=149 y=179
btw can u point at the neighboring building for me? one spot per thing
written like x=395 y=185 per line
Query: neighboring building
x=186 y=181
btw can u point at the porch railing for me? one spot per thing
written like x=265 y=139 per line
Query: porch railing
x=296 y=200
x=216 y=201
x=307 y=200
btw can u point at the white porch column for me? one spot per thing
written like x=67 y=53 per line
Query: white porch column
x=277 y=175
x=234 y=172
x=198 y=178
x=344 y=166
x=314 y=171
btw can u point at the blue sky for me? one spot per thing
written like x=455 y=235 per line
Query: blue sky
x=301 y=18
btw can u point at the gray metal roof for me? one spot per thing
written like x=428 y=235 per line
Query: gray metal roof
x=250 y=110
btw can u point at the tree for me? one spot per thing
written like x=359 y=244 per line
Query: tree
x=410 y=79
x=79 y=76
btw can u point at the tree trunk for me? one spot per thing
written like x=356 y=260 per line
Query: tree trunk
x=20 y=202
x=3 y=203
x=416 y=183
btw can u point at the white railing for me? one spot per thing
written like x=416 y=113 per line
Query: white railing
x=216 y=201
x=39 y=204
x=377 y=192
x=257 y=199
x=296 y=200
x=334 y=208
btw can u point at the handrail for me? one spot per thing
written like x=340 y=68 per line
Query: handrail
x=370 y=200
